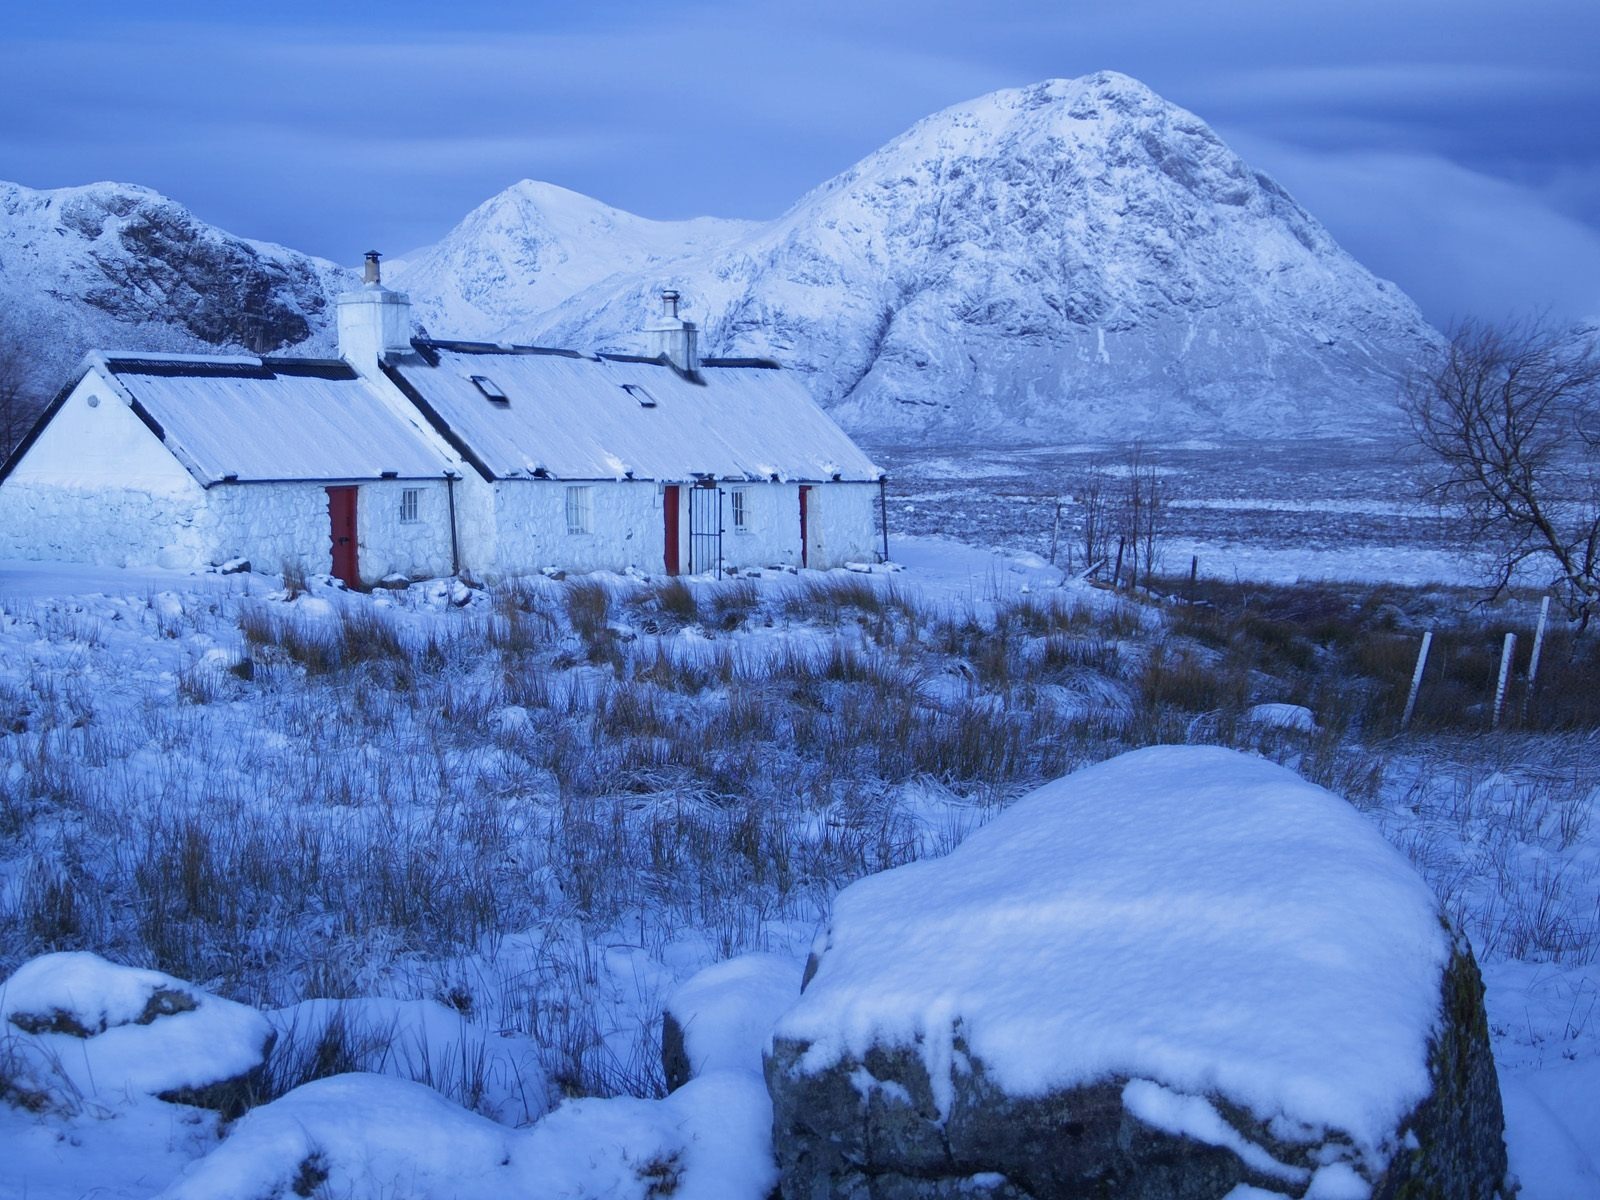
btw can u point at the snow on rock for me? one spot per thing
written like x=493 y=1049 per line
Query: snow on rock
x=88 y=1026
x=723 y=1016
x=419 y=1040
x=709 y=1140
x=371 y=1137
x=360 y=1137
x=1282 y=716
x=1181 y=943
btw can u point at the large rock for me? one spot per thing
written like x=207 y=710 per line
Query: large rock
x=1180 y=973
x=80 y=1026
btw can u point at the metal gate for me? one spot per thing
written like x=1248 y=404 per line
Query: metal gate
x=705 y=529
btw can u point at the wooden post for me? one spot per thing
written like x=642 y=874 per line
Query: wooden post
x=1055 y=532
x=1116 y=574
x=1416 y=678
x=1533 y=660
x=1506 y=652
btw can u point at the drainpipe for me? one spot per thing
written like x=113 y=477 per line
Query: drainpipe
x=455 y=544
x=883 y=512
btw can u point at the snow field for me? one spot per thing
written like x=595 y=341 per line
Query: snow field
x=544 y=808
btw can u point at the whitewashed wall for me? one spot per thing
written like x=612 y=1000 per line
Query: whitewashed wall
x=390 y=546
x=98 y=486
x=530 y=530
x=276 y=523
x=843 y=519
x=531 y=527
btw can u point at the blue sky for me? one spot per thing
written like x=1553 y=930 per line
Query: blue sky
x=1453 y=147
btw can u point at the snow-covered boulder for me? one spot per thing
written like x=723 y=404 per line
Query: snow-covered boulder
x=364 y=1137
x=372 y=1137
x=84 y=1026
x=722 y=1017
x=1178 y=973
x=1295 y=717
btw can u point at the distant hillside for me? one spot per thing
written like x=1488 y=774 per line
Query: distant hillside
x=1076 y=259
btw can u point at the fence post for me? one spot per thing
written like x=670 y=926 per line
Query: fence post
x=1116 y=574
x=1416 y=678
x=1055 y=532
x=1506 y=652
x=1533 y=661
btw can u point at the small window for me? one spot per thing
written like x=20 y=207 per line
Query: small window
x=645 y=399
x=738 y=498
x=580 y=510
x=490 y=388
x=408 y=505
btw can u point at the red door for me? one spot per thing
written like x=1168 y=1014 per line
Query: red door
x=669 y=515
x=342 y=523
x=805 y=540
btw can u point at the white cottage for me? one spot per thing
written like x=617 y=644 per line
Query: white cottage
x=423 y=457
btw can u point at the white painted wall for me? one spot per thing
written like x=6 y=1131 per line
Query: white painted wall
x=271 y=524
x=530 y=529
x=98 y=486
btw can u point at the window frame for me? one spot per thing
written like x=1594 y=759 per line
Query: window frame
x=580 y=508
x=410 y=506
x=739 y=509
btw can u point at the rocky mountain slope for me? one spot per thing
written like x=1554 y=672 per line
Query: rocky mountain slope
x=116 y=266
x=1074 y=260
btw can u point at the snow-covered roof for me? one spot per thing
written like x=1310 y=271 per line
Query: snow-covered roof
x=250 y=419
x=564 y=415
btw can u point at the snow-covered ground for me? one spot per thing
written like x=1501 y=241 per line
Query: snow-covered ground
x=1270 y=511
x=537 y=813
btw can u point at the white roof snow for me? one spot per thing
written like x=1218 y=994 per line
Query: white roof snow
x=570 y=416
x=250 y=420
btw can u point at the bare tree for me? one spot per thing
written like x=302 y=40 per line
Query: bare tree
x=1144 y=513
x=1093 y=493
x=1510 y=421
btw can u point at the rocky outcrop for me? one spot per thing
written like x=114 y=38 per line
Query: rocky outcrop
x=1015 y=1022
x=871 y=1128
x=113 y=265
x=81 y=1026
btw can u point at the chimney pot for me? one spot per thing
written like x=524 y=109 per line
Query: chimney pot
x=669 y=303
x=373 y=272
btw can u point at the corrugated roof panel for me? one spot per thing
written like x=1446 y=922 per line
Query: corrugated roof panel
x=574 y=419
x=258 y=425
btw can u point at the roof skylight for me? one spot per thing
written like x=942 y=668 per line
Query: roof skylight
x=645 y=399
x=490 y=388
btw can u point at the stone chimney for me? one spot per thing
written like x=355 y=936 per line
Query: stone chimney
x=673 y=338
x=373 y=321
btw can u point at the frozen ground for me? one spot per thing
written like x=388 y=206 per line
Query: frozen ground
x=1271 y=511
x=545 y=809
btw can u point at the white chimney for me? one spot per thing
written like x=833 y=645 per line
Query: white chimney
x=673 y=338
x=373 y=321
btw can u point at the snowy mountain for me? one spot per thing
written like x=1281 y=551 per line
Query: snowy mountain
x=115 y=266
x=525 y=251
x=1074 y=259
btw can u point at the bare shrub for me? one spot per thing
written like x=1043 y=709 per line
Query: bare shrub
x=1509 y=421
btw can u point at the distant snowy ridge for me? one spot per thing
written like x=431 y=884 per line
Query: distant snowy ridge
x=1074 y=260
